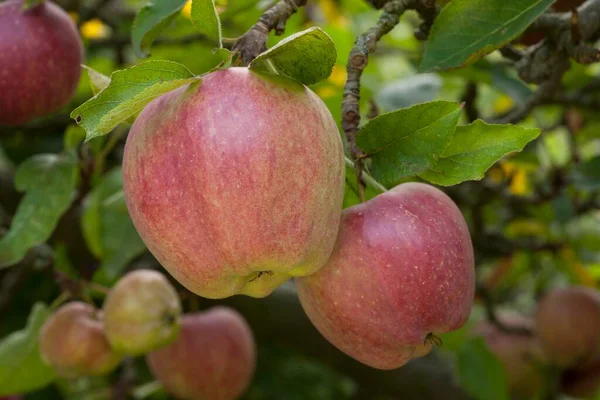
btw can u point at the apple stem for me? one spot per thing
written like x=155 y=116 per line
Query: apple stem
x=367 y=178
x=357 y=62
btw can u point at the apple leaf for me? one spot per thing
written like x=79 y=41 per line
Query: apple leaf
x=466 y=30
x=150 y=21
x=49 y=181
x=27 y=4
x=586 y=176
x=481 y=373
x=307 y=56
x=21 y=366
x=98 y=81
x=473 y=149
x=107 y=228
x=409 y=141
x=205 y=18
x=129 y=91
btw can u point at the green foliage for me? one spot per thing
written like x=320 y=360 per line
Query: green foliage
x=467 y=30
x=98 y=81
x=306 y=56
x=49 y=181
x=206 y=19
x=481 y=372
x=127 y=94
x=107 y=228
x=407 y=142
x=474 y=149
x=27 y=4
x=21 y=366
x=150 y=22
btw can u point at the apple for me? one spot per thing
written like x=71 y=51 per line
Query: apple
x=40 y=62
x=402 y=272
x=581 y=382
x=520 y=353
x=73 y=343
x=236 y=184
x=213 y=357
x=142 y=312
x=568 y=325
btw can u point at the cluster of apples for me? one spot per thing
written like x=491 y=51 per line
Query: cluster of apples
x=562 y=336
x=236 y=185
x=142 y=315
x=41 y=61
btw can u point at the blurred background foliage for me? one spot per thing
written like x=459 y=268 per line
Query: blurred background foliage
x=534 y=218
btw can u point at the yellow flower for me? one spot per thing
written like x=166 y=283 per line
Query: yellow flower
x=94 y=29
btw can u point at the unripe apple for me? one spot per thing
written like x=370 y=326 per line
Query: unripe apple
x=581 y=383
x=40 y=61
x=213 y=357
x=73 y=342
x=142 y=312
x=519 y=352
x=568 y=325
x=236 y=184
x=401 y=272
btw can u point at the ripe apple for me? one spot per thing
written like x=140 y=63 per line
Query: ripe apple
x=73 y=342
x=213 y=357
x=581 y=383
x=142 y=312
x=402 y=271
x=519 y=353
x=40 y=62
x=568 y=325
x=236 y=184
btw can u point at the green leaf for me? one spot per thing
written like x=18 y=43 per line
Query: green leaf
x=307 y=56
x=49 y=181
x=481 y=372
x=21 y=366
x=74 y=136
x=466 y=30
x=98 y=81
x=107 y=228
x=474 y=148
x=586 y=176
x=129 y=91
x=150 y=21
x=409 y=91
x=27 y=4
x=205 y=18
x=409 y=141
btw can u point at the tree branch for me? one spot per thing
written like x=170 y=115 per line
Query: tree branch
x=254 y=41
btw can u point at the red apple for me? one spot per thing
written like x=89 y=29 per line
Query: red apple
x=142 y=312
x=72 y=341
x=568 y=325
x=40 y=58
x=519 y=353
x=402 y=269
x=236 y=184
x=213 y=358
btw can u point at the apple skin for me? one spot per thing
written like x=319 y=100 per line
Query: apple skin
x=73 y=342
x=236 y=184
x=581 y=382
x=517 y=352
x=568 y=325
x=213 y=358
x=40 y=61
x=142 y=312
x=402 y=268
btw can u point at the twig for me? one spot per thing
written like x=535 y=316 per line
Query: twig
x=254 y=41
x=367 y=178
x=469 y=98
x=357 y=62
